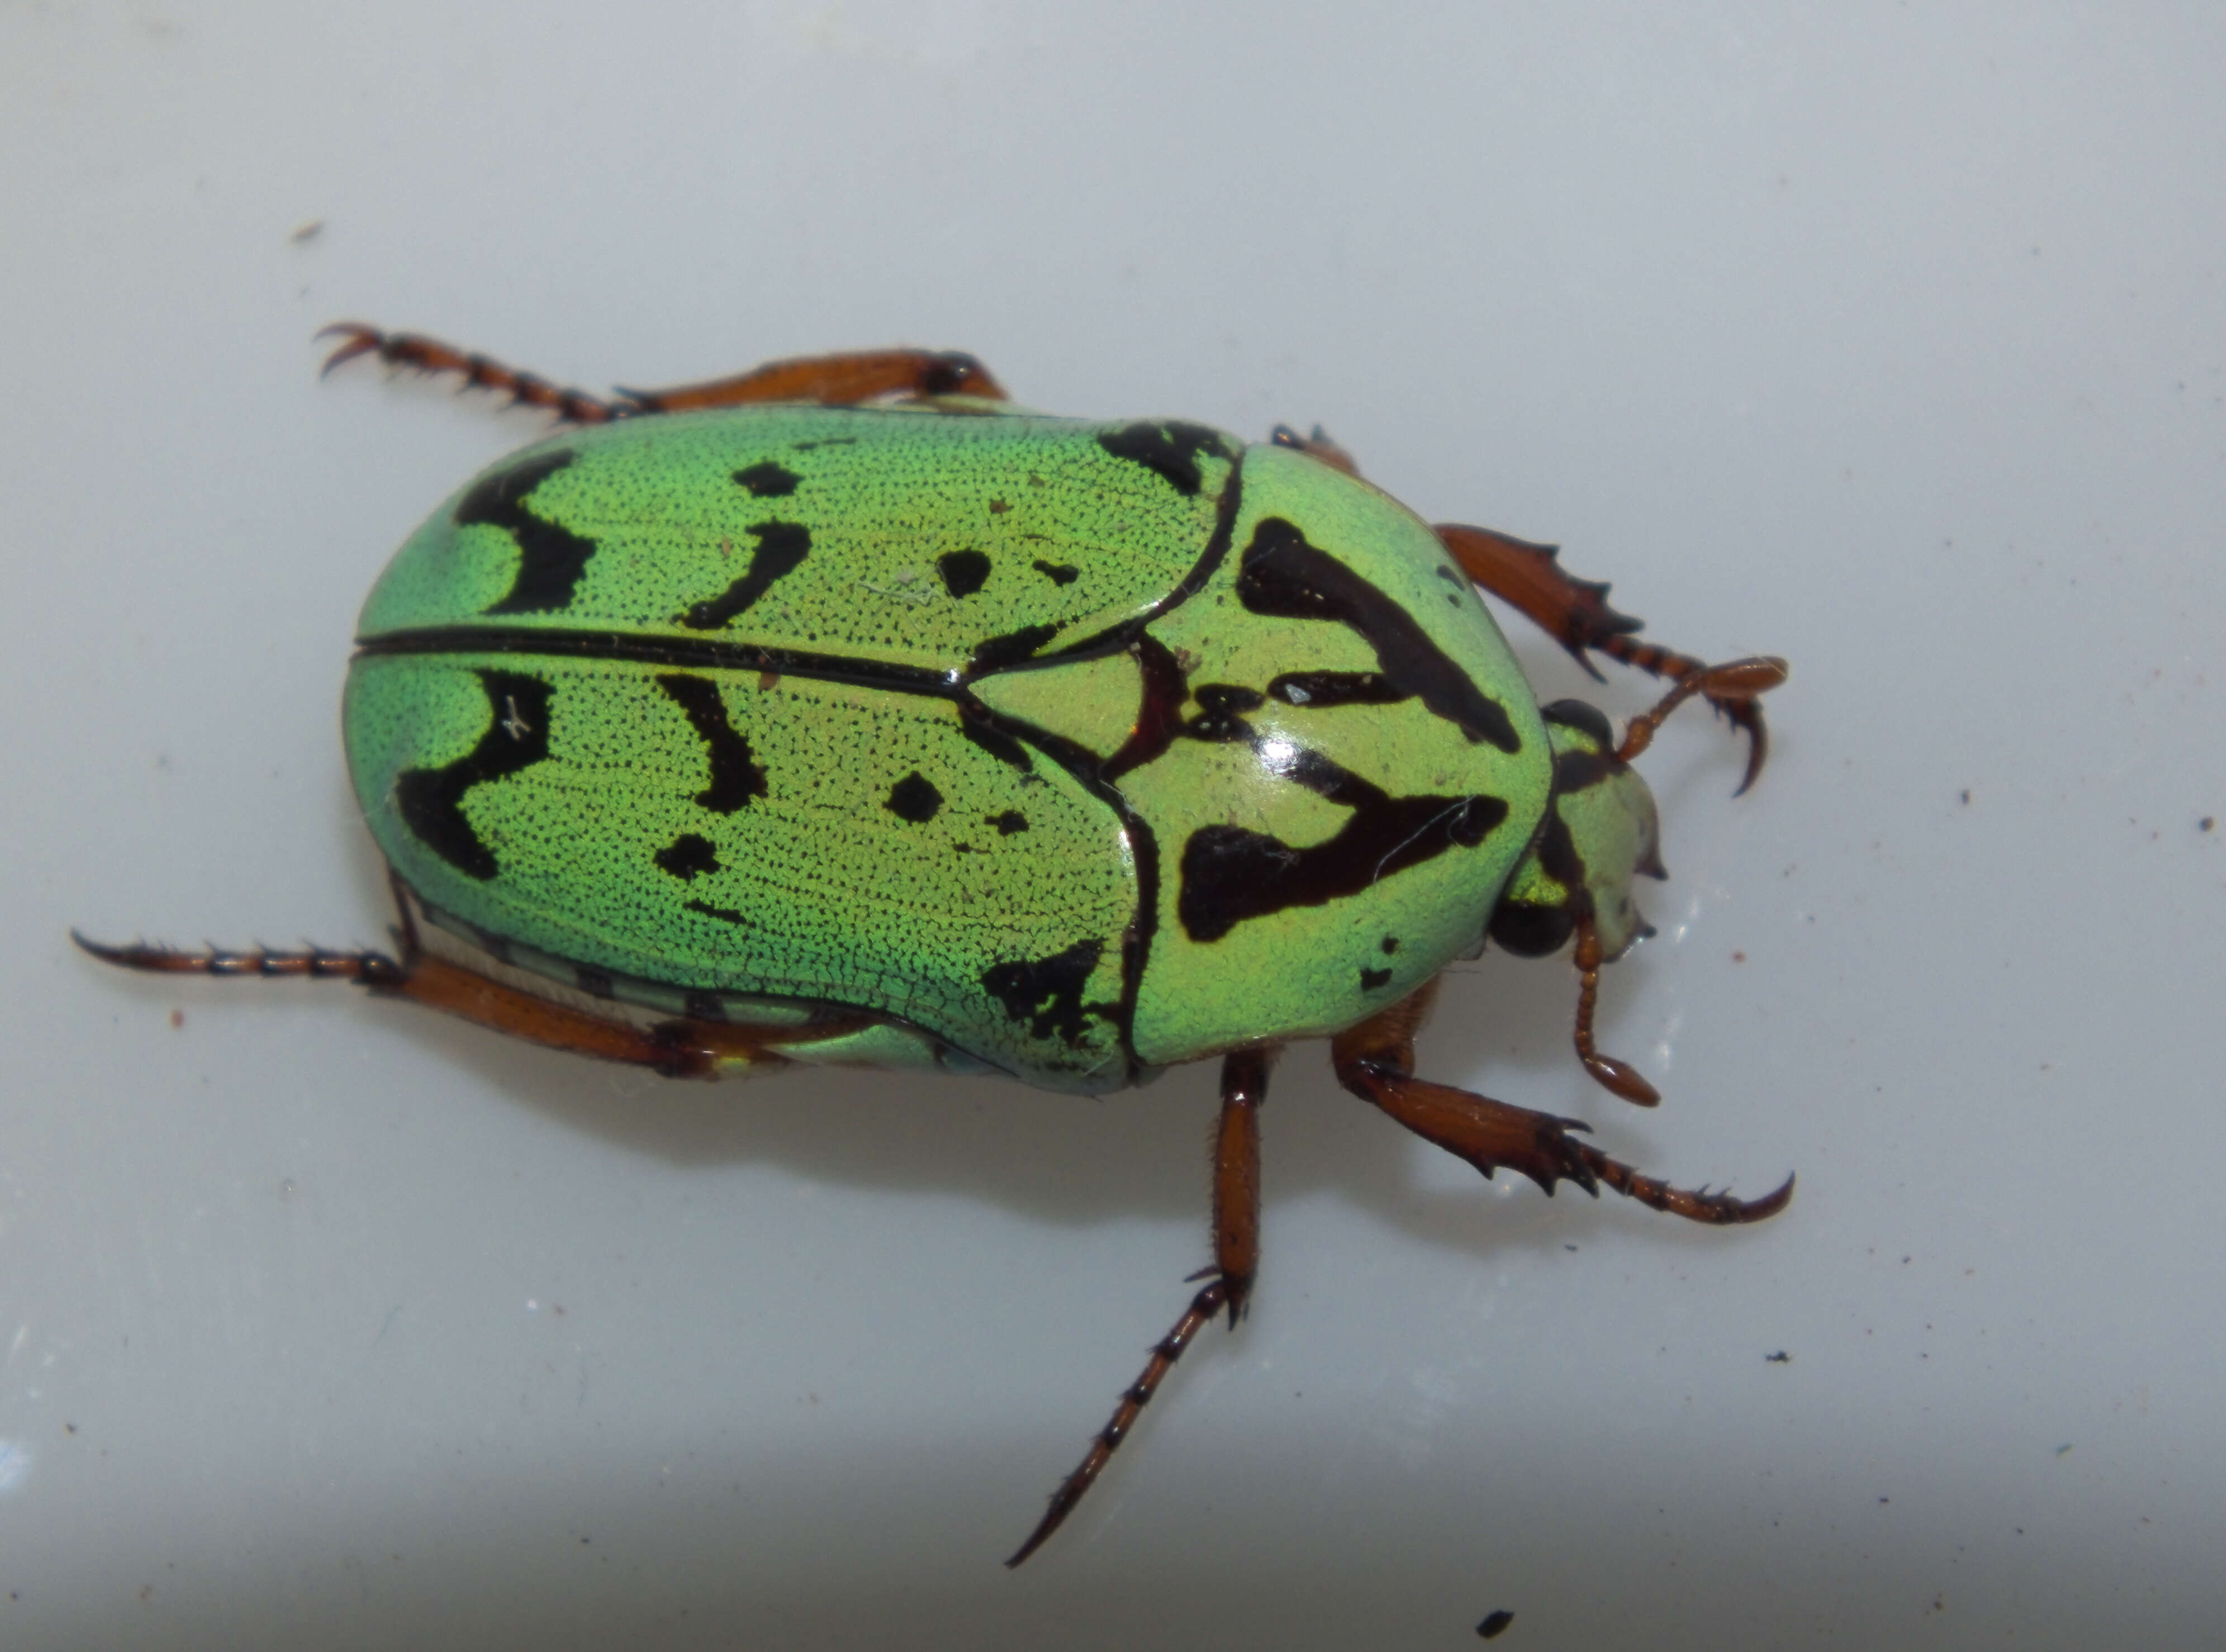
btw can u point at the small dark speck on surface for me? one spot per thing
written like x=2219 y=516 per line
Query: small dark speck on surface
x=2207 y=824
x=305 y=231
x=1739 y=957
x=1966 y=794
x=1781 y=1357
x=177 y=1018
x=1493 y=1623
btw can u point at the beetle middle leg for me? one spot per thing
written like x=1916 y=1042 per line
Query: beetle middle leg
x=1376 y=1061
x=1229 y=1281
x=1575 y=613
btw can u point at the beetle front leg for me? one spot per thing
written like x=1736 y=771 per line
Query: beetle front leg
x=1235 y=1261
x=418 y=353
x=1376 y=1061
x=1575 y=612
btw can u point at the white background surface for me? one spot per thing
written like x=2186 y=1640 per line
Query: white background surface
x=1887 y=338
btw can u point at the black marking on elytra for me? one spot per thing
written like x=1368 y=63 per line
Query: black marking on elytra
x=782 y=547
x=1047 y=993
x=768 y=480
x=550 y=559
x=1057 y=573
x=431 y=801
x=704 y=1006
x=1221 y=707
x=1169 y=450
x=964 y=572
x=1337 y=689
x=995 y=653
x=1391 y=944
x=724 y=914
x=974 y=722
x=1007 y=823
x=688 y=857
x=596 y=983
x=1374 y=980
x=735 y=776
x=1283 y=575
x=914 y=798
x=1230 y=873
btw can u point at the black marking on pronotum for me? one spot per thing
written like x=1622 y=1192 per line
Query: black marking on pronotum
x=724 y=914
x=688 y=857
x=1007 y=823
x=823 y=441
x=768 y=480
x=1336 y=688
x=735 y=777
x=431 y=801
x=550 y=559
x=914 y=798
x=995 y=653
x=1230 y=873
x=964 y=572
x=1047 y=993
x=596 y=983
x=1220 y=718
x=1532 y=928
x=1169 y=450
x=1282 y=575
x=1057 y=573
x=782 y=547
x=1374 y=980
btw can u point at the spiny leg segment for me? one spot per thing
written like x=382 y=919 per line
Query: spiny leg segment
x=1235 y=1261
x=840 y=380
x=1576 y=615
x=1376 y=1061
x=680 y=1048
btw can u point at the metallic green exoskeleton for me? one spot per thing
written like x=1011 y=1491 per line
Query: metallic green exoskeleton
x=771 y=721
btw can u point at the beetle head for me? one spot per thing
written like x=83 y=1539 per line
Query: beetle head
x=1600 y=833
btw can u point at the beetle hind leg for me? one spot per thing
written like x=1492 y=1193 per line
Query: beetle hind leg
x=418 y=353
x=1376 y=1061
x=678 y=1049
x=1229 y=1281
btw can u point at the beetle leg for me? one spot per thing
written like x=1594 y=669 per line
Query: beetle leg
x=1318 y=446
x=425 y=355
x=1618 y=1077
x=1575 y=613
x=1376 y=1059
x=840 y=380
x=678 y=1049
x=1236 y=1260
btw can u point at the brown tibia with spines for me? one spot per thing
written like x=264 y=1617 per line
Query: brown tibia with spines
x=1575 y=613
x=1376 y=1061
x=1235 y=1259
x=834 y=380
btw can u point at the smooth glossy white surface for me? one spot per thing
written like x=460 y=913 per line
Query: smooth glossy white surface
x=1890 y=341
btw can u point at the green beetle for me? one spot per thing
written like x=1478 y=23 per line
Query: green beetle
x=838 y=713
